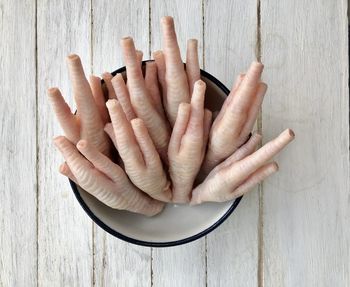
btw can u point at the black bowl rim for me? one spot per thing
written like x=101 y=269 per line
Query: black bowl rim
x=150 y=243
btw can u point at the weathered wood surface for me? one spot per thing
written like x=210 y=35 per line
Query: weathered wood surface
x=294 y=234
x=183 y=265
x=65 y=232
x=18 y=182
x=232 y=251
x=306 y=205
x=118 y=263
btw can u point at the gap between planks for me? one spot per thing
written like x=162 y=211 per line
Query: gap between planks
x=150 y=55
x=37 y=140
x=260 y=271
x=259 y=125
x=93 y=225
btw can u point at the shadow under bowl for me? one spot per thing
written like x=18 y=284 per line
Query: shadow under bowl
x=176 y=224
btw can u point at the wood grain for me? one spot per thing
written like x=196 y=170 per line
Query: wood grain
x=182 y=265
x=18 y=183
x=229 y=47
x=46 y=238
x=118 y=263
x=65 y=232
x=306 y=205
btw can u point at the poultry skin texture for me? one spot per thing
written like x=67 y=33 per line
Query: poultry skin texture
x=146 y=138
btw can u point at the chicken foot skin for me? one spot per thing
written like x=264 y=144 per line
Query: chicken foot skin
x=105 y=180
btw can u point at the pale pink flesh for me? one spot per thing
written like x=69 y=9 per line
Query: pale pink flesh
x=107 y=77
x=81 y=90
x=141 y=100
x=141 y=160
x=176 y=79
x=187 y=144
x=229 y=98
x=192 y=64
x=238 y=168
x=125 y=139
x=160 y=62
x=88 y=122
x=99 y=176
x=139 y=56
x=179 y=128
x=155 y=182
x=241 y=171
x=110 y=132
x=235 y=121
x=97 y=92
x=66 y=119
x=91 y=126
x=65 y=170
x=151 y=81
x=123 y=96
x=253 y=111
x=171 y=48
x=255 y=178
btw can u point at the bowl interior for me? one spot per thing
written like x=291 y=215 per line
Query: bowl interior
x=176 y=224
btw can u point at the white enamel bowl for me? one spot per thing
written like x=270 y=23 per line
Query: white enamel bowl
x=176 y=224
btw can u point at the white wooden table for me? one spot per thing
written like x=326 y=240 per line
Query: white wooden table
x=294 y=230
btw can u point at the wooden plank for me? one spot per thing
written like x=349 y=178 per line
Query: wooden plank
x=188 y=23
x=18 y=252
x=65 y=231
x=183 y=265
x=122 y=263
x=306 y=205
x=230 y=39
